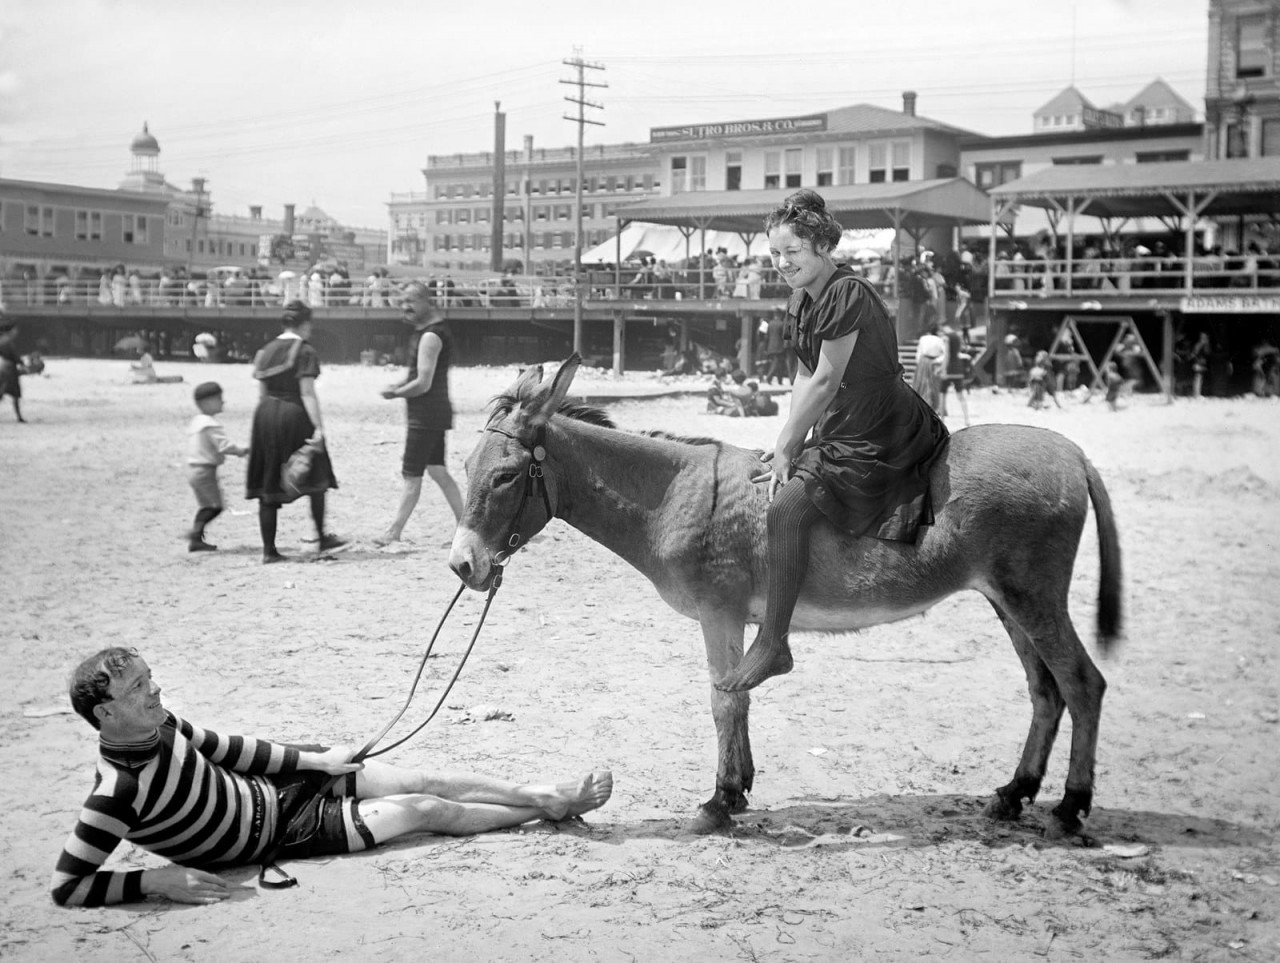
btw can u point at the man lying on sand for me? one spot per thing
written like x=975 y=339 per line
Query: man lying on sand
x=204 y=800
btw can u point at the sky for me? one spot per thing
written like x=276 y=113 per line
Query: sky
x=340 y=103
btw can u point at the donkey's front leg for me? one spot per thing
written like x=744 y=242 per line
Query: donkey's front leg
x=735 y=771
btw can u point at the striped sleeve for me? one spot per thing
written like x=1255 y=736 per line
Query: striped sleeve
x=105 y=819
x=242 y=754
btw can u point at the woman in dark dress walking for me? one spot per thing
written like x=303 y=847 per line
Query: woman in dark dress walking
x=874 y=440
x=287 y=417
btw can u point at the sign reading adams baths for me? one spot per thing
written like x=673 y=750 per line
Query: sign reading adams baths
x=740 y=128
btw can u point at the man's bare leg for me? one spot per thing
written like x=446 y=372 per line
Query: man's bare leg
x=440 y=475
x=547 y=800
x=392 y=816
x=408 y=502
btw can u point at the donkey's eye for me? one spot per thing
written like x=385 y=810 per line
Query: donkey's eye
x=504 y=478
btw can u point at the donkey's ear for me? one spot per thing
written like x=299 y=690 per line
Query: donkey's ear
x=549 y=400
x=528 y=382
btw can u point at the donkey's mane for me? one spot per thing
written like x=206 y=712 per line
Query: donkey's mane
x=502 y=405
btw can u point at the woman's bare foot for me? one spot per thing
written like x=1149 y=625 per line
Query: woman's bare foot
x=575 y=798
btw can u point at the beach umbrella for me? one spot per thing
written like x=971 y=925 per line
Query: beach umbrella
x=131 y=342
x=206 y=339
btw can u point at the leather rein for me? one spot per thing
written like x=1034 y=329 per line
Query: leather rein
x=534 y=479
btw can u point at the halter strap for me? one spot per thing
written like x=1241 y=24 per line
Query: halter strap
x=534 y=478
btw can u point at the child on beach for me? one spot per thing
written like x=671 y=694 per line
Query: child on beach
x=1113 y=380
x=207 y=448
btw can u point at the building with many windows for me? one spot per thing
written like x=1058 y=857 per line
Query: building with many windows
x=449 y=226
x=858 y=144
x=149 y=224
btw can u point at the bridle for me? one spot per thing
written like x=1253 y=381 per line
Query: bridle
x=534 y=479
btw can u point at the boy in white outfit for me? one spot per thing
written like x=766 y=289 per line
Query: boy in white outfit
x=207 y=448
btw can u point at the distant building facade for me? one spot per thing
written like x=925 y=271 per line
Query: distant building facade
x=1242 y=95
x=449 y=226
x=857 y=144
x=149 y=225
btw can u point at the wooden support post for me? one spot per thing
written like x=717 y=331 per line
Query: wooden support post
x=1166 y=355
x=619 y=343
x=746 y=349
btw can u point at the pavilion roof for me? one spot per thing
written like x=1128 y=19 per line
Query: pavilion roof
x=945 y=201
x=1240 y=186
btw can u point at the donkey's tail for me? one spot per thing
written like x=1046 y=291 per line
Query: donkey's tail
x=1109 y=575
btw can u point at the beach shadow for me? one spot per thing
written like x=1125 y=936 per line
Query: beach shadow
x=910 y=821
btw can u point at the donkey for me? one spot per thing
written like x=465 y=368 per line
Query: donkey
x=1010 y=505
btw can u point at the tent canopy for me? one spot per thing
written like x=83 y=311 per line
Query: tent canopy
x=669 y=244
x=932 y=203
x=1231 y=187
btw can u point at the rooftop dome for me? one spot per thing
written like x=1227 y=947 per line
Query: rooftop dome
x=144 y=143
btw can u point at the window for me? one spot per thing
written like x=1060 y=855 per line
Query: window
x=994 y=173
x=877 y=163
x=649 y=185
x=733 y=170
x=1251 y=46
x=794 y=157
x=1271 y=138
x=563 y=212
x=848 y=165
x=134 y=229
x=697 y=173
x=772 y=169
x=679 y=175
x=542 y=185
x=542 y=212
x=481 y=215
x=631 y=182
x=900 y=154
x=462 y=216
x=1069 y=161
x=1159 y=156
x=444 y=217
x=826 y=176
x=88 y=225
x=39 y=220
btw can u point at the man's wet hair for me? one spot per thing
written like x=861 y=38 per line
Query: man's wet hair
x=91 y=680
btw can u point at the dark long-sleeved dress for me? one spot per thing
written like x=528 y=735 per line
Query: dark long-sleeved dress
x=867 y=462
x=281 y=424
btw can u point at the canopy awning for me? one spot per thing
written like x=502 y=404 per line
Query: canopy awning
x=1223 y=188
x=933 y=203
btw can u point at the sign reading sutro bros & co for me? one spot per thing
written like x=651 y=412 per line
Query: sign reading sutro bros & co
x=740 y=128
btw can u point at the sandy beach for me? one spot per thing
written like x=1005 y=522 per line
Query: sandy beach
x=875 y=757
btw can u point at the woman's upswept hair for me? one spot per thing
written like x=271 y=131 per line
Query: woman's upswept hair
x=296 y=314
x=91 y=680
x=805 y=212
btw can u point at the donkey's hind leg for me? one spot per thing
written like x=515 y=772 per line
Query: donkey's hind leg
x=1046 y=712
x=1082 y=686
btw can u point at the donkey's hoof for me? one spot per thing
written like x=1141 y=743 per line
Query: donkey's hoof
x=1005 y=809
x=710 y=820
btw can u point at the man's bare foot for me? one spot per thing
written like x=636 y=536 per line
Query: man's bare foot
x=764 y=660
x=385 y=539
x=575 y=798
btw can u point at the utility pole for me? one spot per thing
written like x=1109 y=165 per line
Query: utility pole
x=581 y=66
x=499 y=186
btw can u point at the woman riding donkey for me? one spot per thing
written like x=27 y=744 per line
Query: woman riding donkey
x=866 y=467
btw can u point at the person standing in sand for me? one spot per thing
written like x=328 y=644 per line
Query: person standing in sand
x=205 y=800
x=207 y=448
x=10 y=366
x=429 y=412
x=287 y=417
